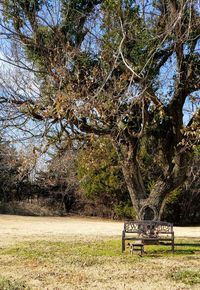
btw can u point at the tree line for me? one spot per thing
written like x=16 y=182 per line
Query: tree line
x=88 y=181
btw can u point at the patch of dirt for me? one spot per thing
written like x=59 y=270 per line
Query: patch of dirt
x=15 y=228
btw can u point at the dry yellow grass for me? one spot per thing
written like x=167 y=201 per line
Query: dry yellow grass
x=36 y=254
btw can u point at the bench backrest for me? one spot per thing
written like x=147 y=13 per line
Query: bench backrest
x=148 y=227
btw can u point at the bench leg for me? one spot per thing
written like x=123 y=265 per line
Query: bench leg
x=173 y=243
x=123 y=245
x=123 y=241
x=173 y=247
x=142 y=250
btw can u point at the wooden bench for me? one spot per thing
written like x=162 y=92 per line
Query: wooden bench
x=148 y=232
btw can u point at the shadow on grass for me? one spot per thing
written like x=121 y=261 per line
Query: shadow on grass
x=187 y=245
x=187 y=248
x=181 y=248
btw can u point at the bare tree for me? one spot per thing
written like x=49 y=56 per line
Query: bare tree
x=59 y=181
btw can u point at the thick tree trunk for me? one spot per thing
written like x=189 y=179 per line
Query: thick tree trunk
x=134 y=183
x=150 y=207
x=153 y=205
x=131 y=172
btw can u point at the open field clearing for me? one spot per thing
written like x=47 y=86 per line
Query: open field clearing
x=81 y=253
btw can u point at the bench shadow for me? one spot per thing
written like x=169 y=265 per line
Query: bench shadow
x=179 y=249
x=187 y=245
x=190 y=248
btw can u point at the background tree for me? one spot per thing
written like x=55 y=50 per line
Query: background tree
x=182 y=207
x=58 y=183
x=15 y=173
x=101 y=178
x=9 y=171
x=115 y=68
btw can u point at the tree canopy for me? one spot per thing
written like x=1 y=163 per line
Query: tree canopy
x=122 y=69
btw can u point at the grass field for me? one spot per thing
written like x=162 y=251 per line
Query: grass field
x=98 y=264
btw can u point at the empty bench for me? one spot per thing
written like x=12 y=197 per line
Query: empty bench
x=146 y=232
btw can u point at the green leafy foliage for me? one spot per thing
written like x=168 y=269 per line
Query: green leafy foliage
x=124 y=210
x=182 y=205
x=173 y=206
x=100 y=176
x=98 y=170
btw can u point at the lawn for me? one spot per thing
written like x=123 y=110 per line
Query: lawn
x=98 y=265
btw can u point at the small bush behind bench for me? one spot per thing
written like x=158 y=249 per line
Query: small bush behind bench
x=148 y=232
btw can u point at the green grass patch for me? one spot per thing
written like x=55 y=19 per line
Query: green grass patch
x=45 y=250
x=187 y=277
x=7 y=284
x=65 y=262
x=93 y=252
x=78 y=253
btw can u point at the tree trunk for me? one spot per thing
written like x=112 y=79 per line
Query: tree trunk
x=134 y=183
x=131 y=172
x=153 y=206
x=149 y=207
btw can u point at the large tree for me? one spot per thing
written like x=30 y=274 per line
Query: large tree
x=120 y=68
